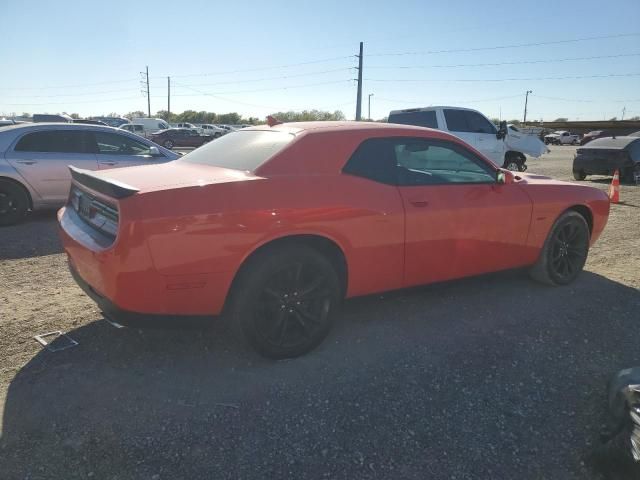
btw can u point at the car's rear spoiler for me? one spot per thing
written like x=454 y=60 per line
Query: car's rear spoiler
x=112 y=188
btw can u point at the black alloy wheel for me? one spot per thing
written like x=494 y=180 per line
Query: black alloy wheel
x=565 y=251
x=14 y=203
x=284 y=301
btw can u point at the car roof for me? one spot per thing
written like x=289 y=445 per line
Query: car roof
x=57 y=125
x=612 y=142
x=432 y=107
x=334 y=126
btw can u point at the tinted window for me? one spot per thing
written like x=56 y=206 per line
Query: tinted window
x=432 y=162
x=420 y=119
x=634 y=151
x=57 y=141
x=456 y=120
x=467 y=121
x=245 y=150
x=373 y=159
x=114 y=144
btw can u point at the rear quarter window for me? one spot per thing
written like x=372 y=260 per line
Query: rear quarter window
x=243 y=150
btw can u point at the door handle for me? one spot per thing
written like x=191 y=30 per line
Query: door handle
x=26 y=162
x=419 y=203
x=109 y=163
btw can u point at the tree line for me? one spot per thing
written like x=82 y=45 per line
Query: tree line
x=234 y=118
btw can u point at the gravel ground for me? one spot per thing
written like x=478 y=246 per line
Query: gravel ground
x=490 y=377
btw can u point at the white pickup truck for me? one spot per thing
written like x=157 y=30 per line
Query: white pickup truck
x=504 y=147
x=561 y=137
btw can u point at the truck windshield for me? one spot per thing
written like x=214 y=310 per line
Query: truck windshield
x=241 y=150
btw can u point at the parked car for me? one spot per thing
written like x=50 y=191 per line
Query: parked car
x=45 y=117
x=185 y=125
x=34 y=159
x=151 y=125
x=475 y=129
x=593 y=135
x=275 y=225
x=136 y=128
x=561 y=137
x=112 y=121
x=179 y=137
x=604 y=156
x=87 y=121
x=212 y=130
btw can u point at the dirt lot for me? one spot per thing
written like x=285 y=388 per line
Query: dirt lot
x=491 y=377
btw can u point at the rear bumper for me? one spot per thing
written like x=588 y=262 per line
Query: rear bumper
x=134 y=319
x=124 y=282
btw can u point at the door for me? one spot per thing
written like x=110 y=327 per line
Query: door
x=114 y=150
x=477 y=131
x=43 y=159
x=459 y=220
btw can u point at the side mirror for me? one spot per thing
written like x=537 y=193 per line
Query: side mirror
x=504 y=177
x=154 y=152
x=502 y=131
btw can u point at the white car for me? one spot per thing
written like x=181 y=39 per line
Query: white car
x=151 y=125
x=562 y=137
x=35 y=160
x=503 y=147
x=136 y=128
x=215 y=132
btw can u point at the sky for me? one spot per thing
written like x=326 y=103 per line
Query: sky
x=580 y=59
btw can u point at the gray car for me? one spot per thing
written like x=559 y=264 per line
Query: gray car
x=34 y=161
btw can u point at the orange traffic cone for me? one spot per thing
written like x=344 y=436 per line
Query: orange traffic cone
x=614 y=189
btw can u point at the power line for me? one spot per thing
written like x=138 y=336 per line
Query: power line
x=275 y=67
x=502 y=47
x=524 y=62
x=73 y=102
x=577 y=100
x=321 y=72
x=422 y=102
x=72 y=86
x=286 y=87
x=567 y=77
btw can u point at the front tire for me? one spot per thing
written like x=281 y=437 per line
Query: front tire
x=284 y=300
x=168 y=144
x=580 y=175
x=14 y=203
x=564 y=252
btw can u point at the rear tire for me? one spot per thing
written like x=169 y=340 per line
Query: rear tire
x=579 y=175
x=283 y=301
x=564 y=252
x=14 y=203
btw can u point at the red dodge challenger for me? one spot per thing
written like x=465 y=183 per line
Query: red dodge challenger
x=273 y=225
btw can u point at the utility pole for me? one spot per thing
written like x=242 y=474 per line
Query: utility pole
x=526 y=98
x=168 y=97
x=145 y=89
x=370 y=95
x=359 y=98
x=624 y=110
x=148 y=96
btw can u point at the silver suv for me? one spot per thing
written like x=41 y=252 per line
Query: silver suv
x=34 y=161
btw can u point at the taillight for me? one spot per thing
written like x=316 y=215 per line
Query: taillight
x=101 y=215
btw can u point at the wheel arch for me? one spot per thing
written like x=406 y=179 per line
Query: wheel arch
x=20 y=185
x=586 y=213
x=323 y=244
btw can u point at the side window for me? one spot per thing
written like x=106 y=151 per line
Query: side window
x=419 y=118
x=114 y=144
x=160 y=125
x=478 y=124
x=634 y=150
x=53 y=141
x=374 y=159
x=456 y=120
x=433 y=162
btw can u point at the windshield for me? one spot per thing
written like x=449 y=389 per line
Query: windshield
x=241 y=150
